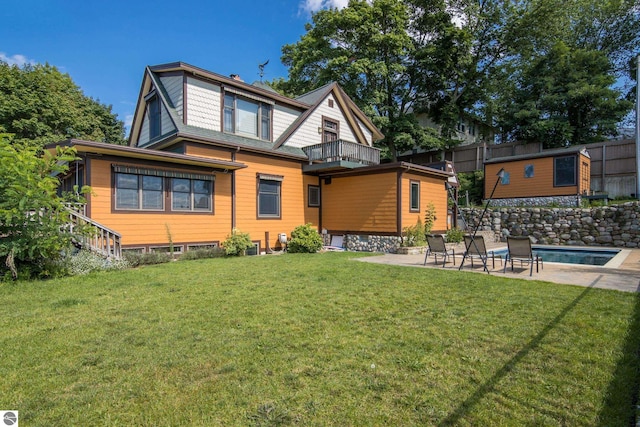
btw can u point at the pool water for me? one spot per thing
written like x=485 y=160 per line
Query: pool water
x=572 y=255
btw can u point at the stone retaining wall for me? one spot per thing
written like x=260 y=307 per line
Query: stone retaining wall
x=561 y=201
x=367 y=243
x=597 y=226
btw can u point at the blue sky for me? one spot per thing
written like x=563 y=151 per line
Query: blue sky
x=105 y=45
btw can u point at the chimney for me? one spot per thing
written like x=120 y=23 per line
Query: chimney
x=236 y=77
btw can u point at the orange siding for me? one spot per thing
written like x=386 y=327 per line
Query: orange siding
x=207 y=151
x=361 y=203
x=311 y=214
x=540 y=185
x=431 y=190
x=584 y=174
x=293 y=198
x=138 y=228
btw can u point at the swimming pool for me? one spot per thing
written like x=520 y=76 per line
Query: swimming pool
x=571 y=255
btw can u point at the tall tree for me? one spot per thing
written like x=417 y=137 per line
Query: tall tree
x=565 y=98
x=367 y=49
x=564 y=89
x=39 y=104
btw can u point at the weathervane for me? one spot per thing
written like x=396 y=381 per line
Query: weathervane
x=261 y=68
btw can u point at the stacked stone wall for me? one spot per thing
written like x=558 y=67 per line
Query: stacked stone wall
x=560 y=201
x=617 y=225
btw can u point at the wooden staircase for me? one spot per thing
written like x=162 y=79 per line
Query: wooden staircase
x=99 y=239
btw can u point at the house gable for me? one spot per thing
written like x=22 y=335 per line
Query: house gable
x=331 y=103
x=192 y=104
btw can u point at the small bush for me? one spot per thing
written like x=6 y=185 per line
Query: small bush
x=237 y=243
x=201 y=254
x=136 y=259
x=454 y=235
x=85 y=262
x=304 y=239
x=414 y=235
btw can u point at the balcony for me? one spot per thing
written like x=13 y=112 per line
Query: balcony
x=340 y=155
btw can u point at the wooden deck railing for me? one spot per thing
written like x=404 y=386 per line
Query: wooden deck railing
x=94 y=236
x=343 y=150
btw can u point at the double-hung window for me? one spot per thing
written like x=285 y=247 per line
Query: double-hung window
x=190 y=195
x=139 y=192
x=269 y=196
x=247 y=117
x=564 y=171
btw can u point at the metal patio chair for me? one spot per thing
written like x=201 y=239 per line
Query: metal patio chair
x=475 y=247
x=519 y=249
x=438 y=247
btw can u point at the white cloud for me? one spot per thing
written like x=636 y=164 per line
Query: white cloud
x=128 y=121
x=17 y=59
x=316 y=5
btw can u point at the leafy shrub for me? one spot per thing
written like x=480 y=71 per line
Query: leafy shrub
x=136 y=259
x=237 y=243
x=454 y=235
x=414 y=235
x=429 y=218
x=201 y=254
x=85 y=262
x=304 y=239
x=34 y=224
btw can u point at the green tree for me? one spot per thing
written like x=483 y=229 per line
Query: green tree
x=33 y=218
x=562 y=86
x=39 y=105
x=367 y=49
x=565 y=98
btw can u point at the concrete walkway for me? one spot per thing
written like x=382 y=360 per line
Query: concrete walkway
x=625 y=277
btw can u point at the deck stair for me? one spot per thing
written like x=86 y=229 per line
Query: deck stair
x=99 y=239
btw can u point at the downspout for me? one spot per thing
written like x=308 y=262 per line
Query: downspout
x=233 y=194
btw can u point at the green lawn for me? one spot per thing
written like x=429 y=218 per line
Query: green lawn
x=315 y=340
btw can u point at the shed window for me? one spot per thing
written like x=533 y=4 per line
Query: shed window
x=528 y=171
x=564 y=171
x=506 y=178
x=414 y=196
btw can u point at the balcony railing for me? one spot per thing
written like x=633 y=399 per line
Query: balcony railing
x=343 y=150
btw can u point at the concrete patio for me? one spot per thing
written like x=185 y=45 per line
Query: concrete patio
x=624 y=277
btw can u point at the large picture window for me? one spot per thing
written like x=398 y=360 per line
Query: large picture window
x=142 y=189
x=139 y=192
x=564 y=171
x=247 y=117
x=269 y=197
